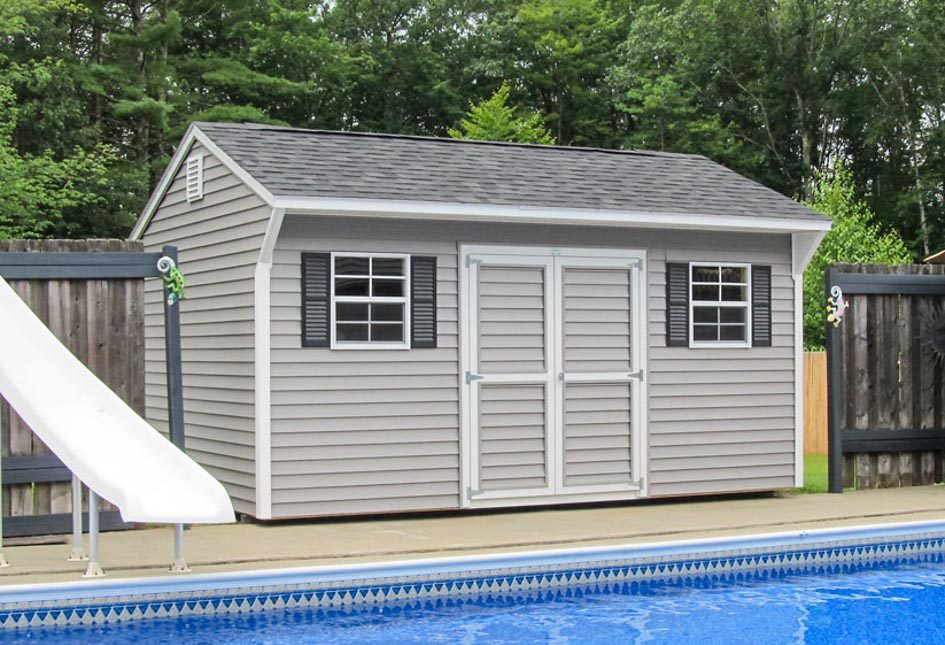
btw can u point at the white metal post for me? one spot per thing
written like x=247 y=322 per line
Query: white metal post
x=95 y=567
x=3 y=559
x=78 y=553
x=180 y=563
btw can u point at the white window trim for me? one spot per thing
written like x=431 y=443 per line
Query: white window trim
x=193 y=178
x=405 y=300
x=735 y=344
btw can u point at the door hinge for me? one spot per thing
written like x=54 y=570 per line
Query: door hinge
x=470 y=377
x=470 y=260
x=638 y=374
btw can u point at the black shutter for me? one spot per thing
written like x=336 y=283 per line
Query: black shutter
x=760 y=305
x=316 y=294
x=422 y=301
x=677 y=304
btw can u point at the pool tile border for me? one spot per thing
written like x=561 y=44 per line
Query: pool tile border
x=486 y=579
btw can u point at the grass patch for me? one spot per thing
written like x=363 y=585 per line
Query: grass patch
x=815 y=474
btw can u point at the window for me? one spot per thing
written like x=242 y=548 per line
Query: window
x=369 y=296
x=719 y=304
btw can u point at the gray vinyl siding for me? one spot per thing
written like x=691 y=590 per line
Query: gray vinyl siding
x=361 y=431
x=219 y=238
x=358 y=431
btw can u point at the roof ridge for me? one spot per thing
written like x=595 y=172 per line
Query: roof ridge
x=447 y=140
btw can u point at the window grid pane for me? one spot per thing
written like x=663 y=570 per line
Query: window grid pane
x=719 y=295
x=370 y=300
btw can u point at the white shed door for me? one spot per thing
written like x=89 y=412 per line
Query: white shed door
x=553 y=379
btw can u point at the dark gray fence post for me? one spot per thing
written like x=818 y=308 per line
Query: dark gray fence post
x=834 y=383
x=175 y=390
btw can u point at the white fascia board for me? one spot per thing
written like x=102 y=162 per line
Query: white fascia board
x=543 y=215
x=193 y=134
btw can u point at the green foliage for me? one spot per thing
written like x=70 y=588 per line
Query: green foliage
x=493 y=119
x=35 y=190
x=854 y=238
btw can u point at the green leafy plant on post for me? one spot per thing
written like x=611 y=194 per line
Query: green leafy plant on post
x=493 y=119
x=854 y=238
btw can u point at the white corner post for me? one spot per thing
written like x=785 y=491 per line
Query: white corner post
x=262 y=374
x=3 y=559
x=94 y=569
x=803 y=247
x=78 y=553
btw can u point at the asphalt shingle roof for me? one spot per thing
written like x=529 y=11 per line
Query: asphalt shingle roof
x=313 y=163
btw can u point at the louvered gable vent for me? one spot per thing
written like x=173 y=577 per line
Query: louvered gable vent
x=194 y=173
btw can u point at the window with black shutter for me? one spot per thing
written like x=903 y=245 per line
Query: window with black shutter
x=718 y=305
x=368 y=301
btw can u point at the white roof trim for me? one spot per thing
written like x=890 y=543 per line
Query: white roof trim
x=193 y=134
x=543 y=215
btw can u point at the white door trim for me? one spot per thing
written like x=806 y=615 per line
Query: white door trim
x=468 y=321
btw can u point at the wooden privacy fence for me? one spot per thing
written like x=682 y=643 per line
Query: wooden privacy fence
x=102 y=323
x=885 y=385
x=815 y=403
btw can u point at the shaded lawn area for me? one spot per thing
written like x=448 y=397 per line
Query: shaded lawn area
x=815 y=474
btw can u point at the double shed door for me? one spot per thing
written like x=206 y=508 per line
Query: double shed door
x=554 y=350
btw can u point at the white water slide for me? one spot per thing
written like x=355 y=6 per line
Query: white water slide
x=97 y=436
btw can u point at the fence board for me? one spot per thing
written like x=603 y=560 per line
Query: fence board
x=102 y=323
x=815 y=403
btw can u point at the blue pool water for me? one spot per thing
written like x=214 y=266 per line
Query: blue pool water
x=880 y=606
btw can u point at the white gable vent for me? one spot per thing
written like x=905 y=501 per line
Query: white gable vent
x=194 y=178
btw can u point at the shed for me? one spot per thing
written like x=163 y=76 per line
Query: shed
x=380 y=323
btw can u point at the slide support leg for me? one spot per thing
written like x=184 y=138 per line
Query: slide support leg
x=180 y=563
x=3 y=559
x=95 y=566
x=78 y=553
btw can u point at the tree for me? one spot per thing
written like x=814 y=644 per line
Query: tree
x=41 y=184
x=493 y=119
x=35 y=190
x=557 y=54
x=855 y=238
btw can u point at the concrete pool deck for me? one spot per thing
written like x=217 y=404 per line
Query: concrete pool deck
x=242 y=547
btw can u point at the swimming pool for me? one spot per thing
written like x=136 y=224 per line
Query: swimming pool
x=873 y=584
x=871 y=606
